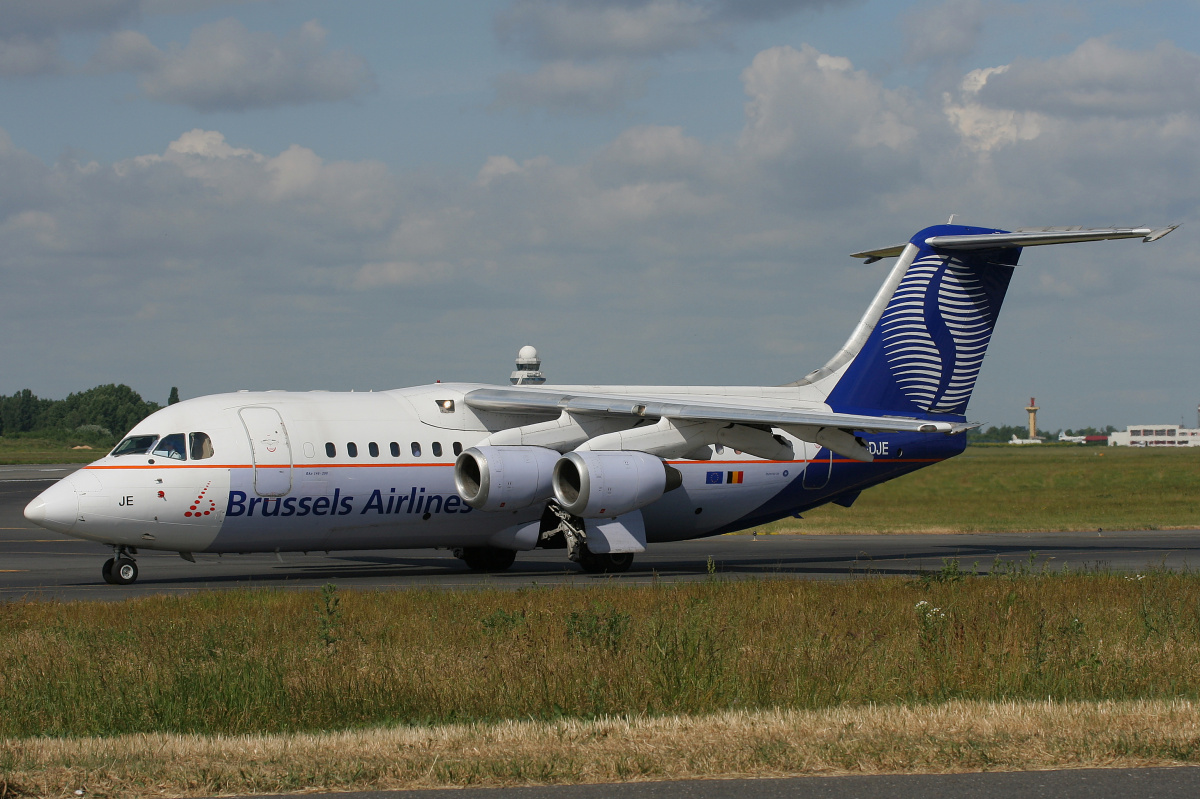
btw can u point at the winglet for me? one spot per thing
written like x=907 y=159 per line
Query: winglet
x=1158 y=234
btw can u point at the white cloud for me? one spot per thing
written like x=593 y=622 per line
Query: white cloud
x=51 y=17
x=127 y=51
x=22 y=56
x=1099 y=78
x=658 y=236
x=29 y=30
x=586 y=29
x=567 y=86
x=804 y=102
x=983 y=128
x=225 y=67
x=552 y=29
x=189 y=6
x=590 y=47
x=946 y=32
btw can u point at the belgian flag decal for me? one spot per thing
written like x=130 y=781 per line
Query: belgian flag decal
x=733 y=477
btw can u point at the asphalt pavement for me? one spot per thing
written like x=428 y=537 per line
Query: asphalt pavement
x=1149 y=783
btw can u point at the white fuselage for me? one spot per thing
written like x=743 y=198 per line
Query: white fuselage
x=351 y=471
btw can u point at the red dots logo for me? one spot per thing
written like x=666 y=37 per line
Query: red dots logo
x=197 y=508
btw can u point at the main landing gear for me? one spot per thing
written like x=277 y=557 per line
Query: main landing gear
x=559 y=525
x=486 y=559
x=611 y=563
x=121 y=569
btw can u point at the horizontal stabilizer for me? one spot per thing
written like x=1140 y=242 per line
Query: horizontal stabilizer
x=1025 y=237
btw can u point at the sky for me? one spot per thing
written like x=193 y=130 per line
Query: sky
x=291 y=194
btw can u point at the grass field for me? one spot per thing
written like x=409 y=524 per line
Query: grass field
x=258 y=691
x=267 y=662
x=1020 y=489
x=41 y=450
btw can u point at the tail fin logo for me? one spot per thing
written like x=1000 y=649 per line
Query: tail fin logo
x=935 y=331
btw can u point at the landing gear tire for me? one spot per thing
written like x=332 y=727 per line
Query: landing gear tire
x=124 y=572
x=106 y=571
x=612 y=563
x=486 y=559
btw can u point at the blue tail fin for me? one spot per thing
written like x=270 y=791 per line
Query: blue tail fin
x=922 y=351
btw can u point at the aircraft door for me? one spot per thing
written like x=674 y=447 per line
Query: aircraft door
x=818 y=468
x=271 y=450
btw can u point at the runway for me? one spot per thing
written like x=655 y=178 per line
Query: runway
x=36 y=563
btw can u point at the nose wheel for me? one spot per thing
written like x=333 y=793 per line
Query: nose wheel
x=120 y=570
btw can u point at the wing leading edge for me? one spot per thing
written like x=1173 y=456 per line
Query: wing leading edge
x=811 y=425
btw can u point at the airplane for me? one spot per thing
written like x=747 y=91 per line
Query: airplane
x=599 y=471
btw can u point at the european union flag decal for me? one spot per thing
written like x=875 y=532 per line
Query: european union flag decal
x=714 y=478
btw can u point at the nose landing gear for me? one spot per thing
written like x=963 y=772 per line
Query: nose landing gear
x=121 y=569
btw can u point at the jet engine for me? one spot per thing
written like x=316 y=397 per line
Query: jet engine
x=609 y=483
x=504 y=478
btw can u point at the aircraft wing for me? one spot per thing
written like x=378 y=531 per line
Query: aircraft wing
x=519 y=400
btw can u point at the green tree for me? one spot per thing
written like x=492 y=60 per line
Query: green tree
x=116 y=408
x=174 y=397
x=22 y=412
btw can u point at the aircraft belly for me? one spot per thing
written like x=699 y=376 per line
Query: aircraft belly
x=722 y=492
x=368 y=507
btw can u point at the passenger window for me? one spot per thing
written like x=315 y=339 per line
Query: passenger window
x=373 y=448
x=201 y=446
x=416 y=450
x=395 y=447
x=330 y=450
x=457 y=448
x=352 y=449
x=437 y=449
x=135 y=445
x=172 y=447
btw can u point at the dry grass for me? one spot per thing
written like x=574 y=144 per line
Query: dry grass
x=955 y=736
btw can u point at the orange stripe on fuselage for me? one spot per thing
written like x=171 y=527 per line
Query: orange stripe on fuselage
x=410 y=464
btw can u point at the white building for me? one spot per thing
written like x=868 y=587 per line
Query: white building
x=1155 y=435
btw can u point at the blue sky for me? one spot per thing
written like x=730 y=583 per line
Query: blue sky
x=272 y=194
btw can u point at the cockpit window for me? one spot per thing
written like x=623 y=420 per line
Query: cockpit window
x=171 y=447
x=135 y=445
x=201 y=446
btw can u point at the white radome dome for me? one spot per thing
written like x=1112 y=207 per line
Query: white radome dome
x=527 y=353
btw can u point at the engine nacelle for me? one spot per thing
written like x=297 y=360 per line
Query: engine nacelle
x=609 y=483
x=504 y=478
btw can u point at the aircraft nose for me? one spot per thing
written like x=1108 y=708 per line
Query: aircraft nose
x=56 y=508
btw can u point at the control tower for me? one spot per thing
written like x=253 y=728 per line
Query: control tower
x=1032 y=411
x=528 y=368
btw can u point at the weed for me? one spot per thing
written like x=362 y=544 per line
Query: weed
x=503 y=621
x=329 y=615
x=602 y=626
